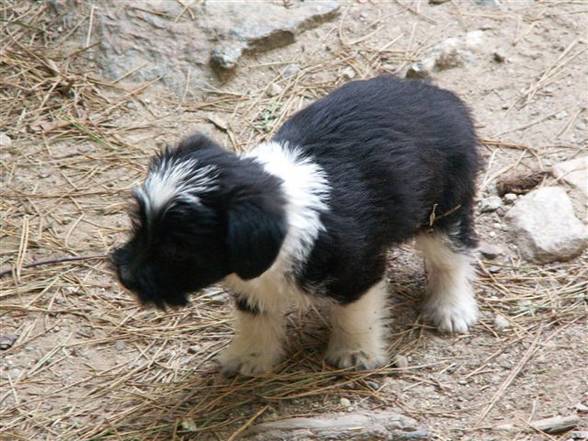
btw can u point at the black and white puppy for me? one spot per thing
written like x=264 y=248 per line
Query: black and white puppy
x=311 y=214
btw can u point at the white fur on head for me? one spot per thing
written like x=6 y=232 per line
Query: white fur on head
x=172 y=179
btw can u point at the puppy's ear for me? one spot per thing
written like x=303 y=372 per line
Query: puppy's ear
x=196 y=141
x=256 y=231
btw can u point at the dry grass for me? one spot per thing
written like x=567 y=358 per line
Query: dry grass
x=108 y=370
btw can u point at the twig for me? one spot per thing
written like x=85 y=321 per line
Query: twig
x=55 y=261
x=247 y=423
x=518 y=368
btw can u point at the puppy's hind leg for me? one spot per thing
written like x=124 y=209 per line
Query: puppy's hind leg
x=357 y=338
x=451 y=305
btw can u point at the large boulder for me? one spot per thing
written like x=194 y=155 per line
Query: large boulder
x=545 y=228
x=187 y=47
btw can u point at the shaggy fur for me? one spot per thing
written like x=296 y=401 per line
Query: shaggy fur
x=310 y=214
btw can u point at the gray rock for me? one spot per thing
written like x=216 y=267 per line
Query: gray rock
x=574 y=172
x=510 y=198
x=501 y=323
x=545 y=228
x=290 y=70
x=7 y=341
x=489 y=250
x=153 y=42
x=274 y=90
x=490 y=204
x=360 y=426
x=453 y=52
x=400 y=361
x=5 y=140
x=348 y=73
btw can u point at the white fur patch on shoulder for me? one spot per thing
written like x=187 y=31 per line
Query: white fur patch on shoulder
x=173 y=180
x=306 y=190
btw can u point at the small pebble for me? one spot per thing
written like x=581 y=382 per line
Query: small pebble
x=345 y=402
x=5 y=140
x=489 y=250
x=119 y=346
x=6 y=341
x=273 y=90
x=510 y=198
x=401 y=361
x=500 y=322
x=290 y=70
x=348 y=73
x=490 y=204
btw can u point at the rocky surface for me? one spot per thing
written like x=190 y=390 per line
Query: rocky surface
x=545 y=228
x=360 y=426
x=489 y=204
x=186 y=46
x=574 y=172
x=450 y=53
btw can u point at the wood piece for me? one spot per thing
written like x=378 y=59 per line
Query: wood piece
x=364 y=425
x=556 y=424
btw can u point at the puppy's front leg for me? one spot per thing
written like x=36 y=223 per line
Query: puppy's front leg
x=357 y=338
x=257 y=345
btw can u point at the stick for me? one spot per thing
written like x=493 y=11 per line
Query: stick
x=511 y=377
x=54 y=261
x=247 y=423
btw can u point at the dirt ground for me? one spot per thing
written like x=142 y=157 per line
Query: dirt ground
x=90 y=364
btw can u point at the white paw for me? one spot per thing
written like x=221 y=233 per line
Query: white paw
x=451 y=317
x=358 y=358
x=250 y=363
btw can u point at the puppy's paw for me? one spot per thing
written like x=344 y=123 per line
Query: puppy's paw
x=451 y=317
x=250 y=363
x=358 y=358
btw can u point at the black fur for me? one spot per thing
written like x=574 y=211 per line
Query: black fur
x=394 y=151
x=397 y=154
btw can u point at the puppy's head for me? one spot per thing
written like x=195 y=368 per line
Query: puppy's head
x=201 y=214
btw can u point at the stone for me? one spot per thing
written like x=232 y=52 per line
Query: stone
x=361 y=426
x=501 y=323
x=348 y=73
x=510 y=198
x=543 y=225
x=5 y=140
x=274 y=90
x=290 y=70
x=489 y=250
x=490 y=204
x=400 y=361
x=574 y=172
x=7 y=341
x=345 y=402
x=452 y=52
x=158 y=40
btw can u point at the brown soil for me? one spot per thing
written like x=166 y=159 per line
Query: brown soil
x=90 y=364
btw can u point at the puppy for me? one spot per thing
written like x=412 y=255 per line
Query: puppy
x=310 y=214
